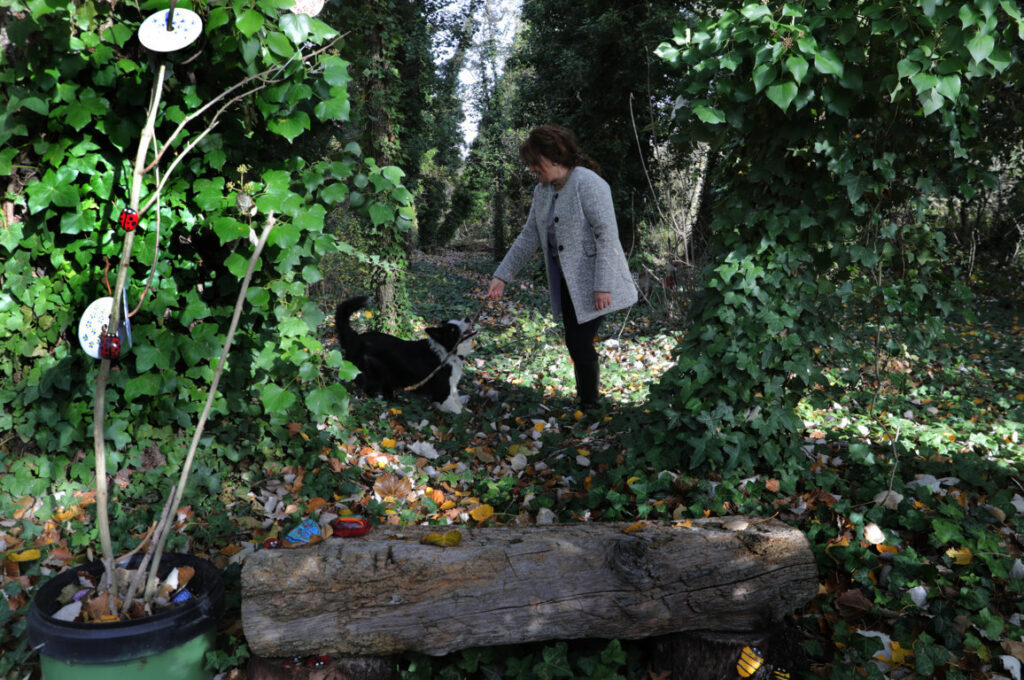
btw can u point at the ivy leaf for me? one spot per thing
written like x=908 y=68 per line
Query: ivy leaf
x=276 y=398
x=327 y=401
x=290 y=127
x=754 y=12
x=295 y=26
x=336 y=72
x=335 y=108
x=763 y=76
x=981 y=46
x=280 y=45
x=782 y=94
x=949 y=87
x=6 y=156
x=930 y=102
x=709 y=115
x=229 y=229
x=826 y=61
x=797 y=66
x=381 y=214
x=248 y=22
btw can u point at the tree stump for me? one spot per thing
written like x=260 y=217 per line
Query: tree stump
x=388 y=593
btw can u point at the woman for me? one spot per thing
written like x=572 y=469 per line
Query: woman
x=572 y=221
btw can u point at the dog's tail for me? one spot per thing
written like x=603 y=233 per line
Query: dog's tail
x=344 y=312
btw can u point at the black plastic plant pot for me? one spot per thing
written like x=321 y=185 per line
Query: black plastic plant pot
x=170 y=645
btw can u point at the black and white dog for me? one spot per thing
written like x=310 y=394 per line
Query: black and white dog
x=387 y=363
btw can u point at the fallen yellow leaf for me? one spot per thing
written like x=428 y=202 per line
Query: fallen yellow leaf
x=447 y=505
x=539 y=426
x=481 y=512
x=900 y=656
x=635 y=526
x=65 y=515
x=388 y=443
x=446 y=540
x=962 y=556
x=25 y=555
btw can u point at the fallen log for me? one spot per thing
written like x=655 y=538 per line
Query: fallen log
x=389 y=593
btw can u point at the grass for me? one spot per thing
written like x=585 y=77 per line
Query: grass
x=925 y=581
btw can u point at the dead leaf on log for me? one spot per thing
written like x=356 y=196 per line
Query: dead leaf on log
x=445 y=540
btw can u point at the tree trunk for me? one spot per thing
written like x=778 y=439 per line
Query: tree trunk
x=388 y=593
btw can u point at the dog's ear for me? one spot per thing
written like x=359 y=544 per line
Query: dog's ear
x=436 y=334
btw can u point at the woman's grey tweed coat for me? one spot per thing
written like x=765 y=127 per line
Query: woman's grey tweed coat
x=589 y=251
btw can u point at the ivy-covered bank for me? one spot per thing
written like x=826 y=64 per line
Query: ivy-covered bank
x=842 y=133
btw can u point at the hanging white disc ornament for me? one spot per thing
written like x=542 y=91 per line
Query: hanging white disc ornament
x=185 y=28
x=310 y=7
x=93 y=326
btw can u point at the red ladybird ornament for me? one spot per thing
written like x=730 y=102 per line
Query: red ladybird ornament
x=272 y=544
x=129 y=219
x=317 y=661
x=110 y=347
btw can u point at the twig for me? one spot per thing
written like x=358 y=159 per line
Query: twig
x=266 y=76
x=167 y=522
x=140 y=571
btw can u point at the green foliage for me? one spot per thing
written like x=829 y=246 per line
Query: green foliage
x=837 y=129
x=74 y=86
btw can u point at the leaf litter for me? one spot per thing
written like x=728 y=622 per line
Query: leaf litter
x=911 y=494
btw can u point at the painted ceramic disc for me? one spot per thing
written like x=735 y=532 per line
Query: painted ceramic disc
x=185 y=28
x=310 y=7
x=94 y=323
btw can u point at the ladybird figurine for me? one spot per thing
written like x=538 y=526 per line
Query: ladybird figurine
x=272 y=544
x=317 y=661
x=110 y=347
x=129 y=219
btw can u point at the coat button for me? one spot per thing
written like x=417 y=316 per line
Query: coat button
x=556 y=220
x=561 y=247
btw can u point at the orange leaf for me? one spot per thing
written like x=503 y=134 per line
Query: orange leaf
x=771 y=486
x=315 y=503
x=392 y=486
x=635 y=526
x=63 y=515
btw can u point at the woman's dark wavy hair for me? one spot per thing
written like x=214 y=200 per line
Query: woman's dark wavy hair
x=558 y=145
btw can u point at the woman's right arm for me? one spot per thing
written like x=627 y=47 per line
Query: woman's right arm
x=522 y=249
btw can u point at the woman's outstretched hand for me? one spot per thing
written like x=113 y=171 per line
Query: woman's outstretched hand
x=496 y=289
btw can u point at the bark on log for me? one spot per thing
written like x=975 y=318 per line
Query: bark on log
x=387 y=593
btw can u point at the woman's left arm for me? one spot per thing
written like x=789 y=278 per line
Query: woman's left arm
x=596 y=201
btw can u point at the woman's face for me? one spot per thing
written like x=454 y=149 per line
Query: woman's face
x=546 y=171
